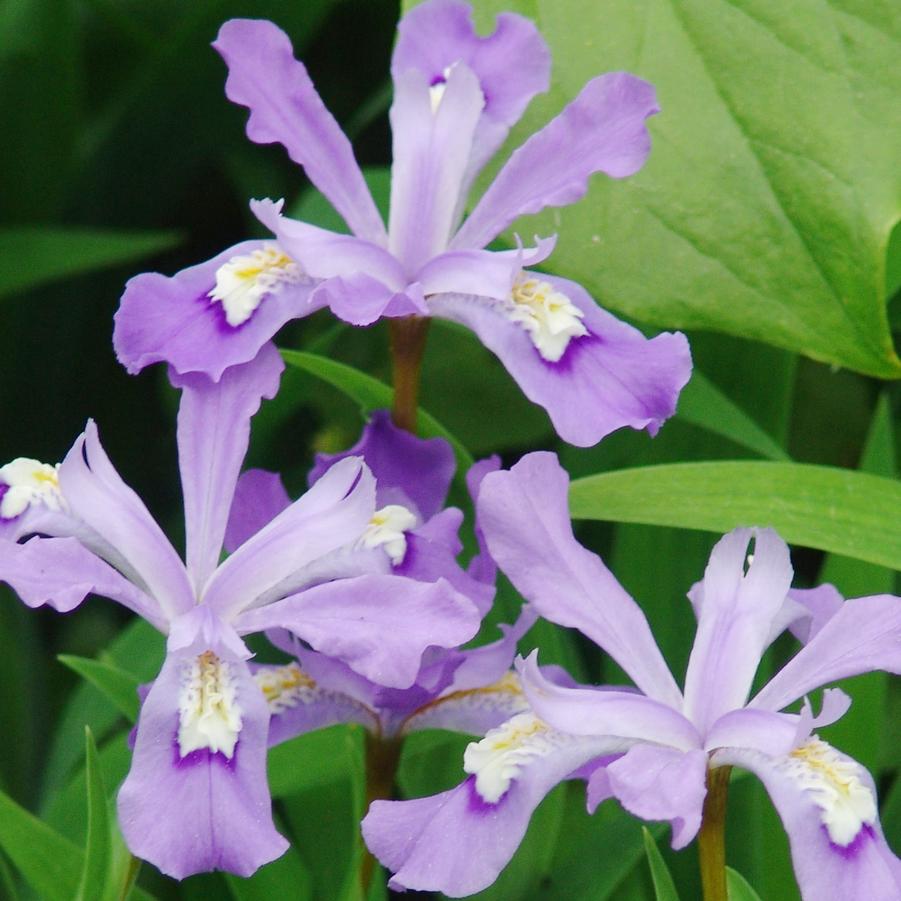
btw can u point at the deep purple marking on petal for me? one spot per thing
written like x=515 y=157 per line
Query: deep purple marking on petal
x=477 y=804
x=852 y=850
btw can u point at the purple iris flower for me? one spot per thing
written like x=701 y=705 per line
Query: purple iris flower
x=456 y=95
x=196 y=796
x=652 y=748
x=414 y=535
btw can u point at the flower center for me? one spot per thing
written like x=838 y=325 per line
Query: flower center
x=208 y=713
x=243 y=282
x=388 y=528
x=834 y=784
x=549 y=317
x=283 y=686
x=499 y=757
x=24 y=482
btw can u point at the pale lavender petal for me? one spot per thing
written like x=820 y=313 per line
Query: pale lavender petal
x=97 y=495
x=431 y=149
x=589 y=711
x=865 y=635
x=602 y=130
x=61 y=572
x=762 y=730
x=482 y=565
x=213 y=436
x=820 y=603
x=737 y=609
x=662 y=784
x=864 y=867
x=201 y=629
x=298 y=704
x=455 y=842
x=379 y=625
x=610 y=378
x=333 y=513
x=512 y=63
x=259 y=497
x=202 y=811
x=173 y=319
x=360 y=299
x=525 y=516
x=285 y=108
x=408 y=470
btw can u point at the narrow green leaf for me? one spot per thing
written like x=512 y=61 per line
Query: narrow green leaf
x=738 y=887
x=116 y=684
x=822 y=507
x=7 y=882
x=371 y=394
x=664 y=887
x=49 y=863
x=703 y=404
x=97 y=848
x=32 y=257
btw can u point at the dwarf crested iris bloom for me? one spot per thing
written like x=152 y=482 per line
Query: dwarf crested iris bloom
x=196 y=797
x=456 y=95
x=468 y=691
x=652 y=749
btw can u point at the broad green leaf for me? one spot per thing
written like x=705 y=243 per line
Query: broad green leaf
x=33 y=257
x=286 y=877
x=822 y=507
x=116 y=684
x=326 y=755
x=664 y=887
x=97 y=848
x=891 y=814
x=738 y=887
x=767 y=201
x=7 y=884
x=371 y=394
x=703 y=404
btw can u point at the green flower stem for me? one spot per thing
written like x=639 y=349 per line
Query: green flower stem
x=382 y=759
x=711 y=841
x=408 y=336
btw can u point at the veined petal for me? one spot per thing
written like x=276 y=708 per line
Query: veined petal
x=594 y=377
x=298 y=704
x=864 y=635
x=512 y=64
x=587 y=711
x=259 y=497
x=213 y=436
x=379 y=625
x=431 y=150
x=602 y=130
x=360 y=299
x=457 y=842
x=97 y=495
x=411 y=471
x=827 y=803
x=662 y=784
x=525 y=515
x=61 y=572
x=330 y=515
x=175 y=319
x=285 y=108
x=737 y=609
x=196 y=797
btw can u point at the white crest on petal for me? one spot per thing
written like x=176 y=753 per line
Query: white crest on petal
x=549 y=317
x=209 y=715
x=497 y=760
x=243 y=282
x=836 y=786
x=284 y=686
x=29 y=482
x=388 y=528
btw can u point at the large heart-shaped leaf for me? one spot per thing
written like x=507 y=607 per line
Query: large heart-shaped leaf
x=766 y=205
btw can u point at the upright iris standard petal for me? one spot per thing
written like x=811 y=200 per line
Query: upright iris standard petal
x=593 y=374
x=176 y=320
x=196 y=797
x=602 y=130
x=259 y=497
x=213 y=436
x=737 y=609
x=285 y=108
x=525 y=515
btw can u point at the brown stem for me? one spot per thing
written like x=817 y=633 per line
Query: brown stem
x=382 y=758
x=712 y=839
x=408 y=336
